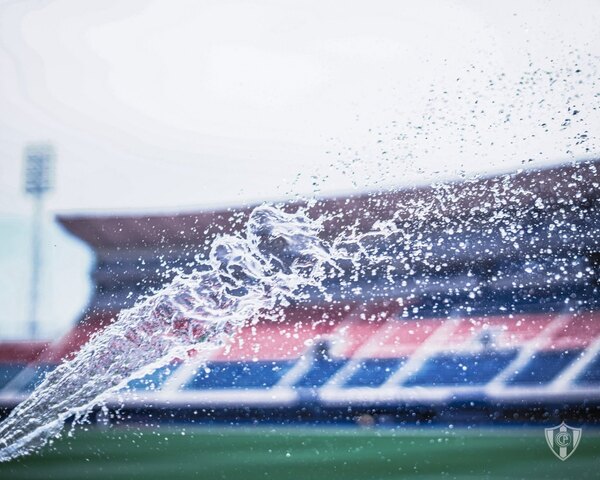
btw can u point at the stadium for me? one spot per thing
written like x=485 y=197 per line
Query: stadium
x=417 y=350
x=308 y=240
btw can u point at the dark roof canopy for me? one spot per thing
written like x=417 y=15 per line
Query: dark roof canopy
x=550 y=185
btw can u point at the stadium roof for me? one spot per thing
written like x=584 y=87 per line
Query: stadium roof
x=108 y=231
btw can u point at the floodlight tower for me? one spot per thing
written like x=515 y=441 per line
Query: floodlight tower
x=39 y=158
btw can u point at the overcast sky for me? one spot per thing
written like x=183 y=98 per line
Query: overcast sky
x=179 y=105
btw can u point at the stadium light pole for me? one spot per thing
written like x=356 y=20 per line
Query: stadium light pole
x=39 y=158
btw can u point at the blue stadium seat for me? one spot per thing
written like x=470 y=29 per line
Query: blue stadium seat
x=319 y=373
x=543 y=367
x=154 y=380
x=373 y=372
x=225 y=375
x=8 y=371
x=464 y=369
x=591 y=374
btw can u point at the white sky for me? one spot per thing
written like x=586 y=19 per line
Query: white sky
x=170 y=105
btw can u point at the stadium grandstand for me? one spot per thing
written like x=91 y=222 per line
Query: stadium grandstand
x=415 y=344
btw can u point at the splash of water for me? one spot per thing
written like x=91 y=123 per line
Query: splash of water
x=279 y=255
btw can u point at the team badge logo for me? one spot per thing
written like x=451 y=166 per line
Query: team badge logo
x=563 y=440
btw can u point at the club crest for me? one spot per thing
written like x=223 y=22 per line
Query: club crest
x=563 y=440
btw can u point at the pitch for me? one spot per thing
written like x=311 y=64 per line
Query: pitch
x=301 y=453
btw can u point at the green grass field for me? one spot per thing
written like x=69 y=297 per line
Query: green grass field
x=305 y=453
